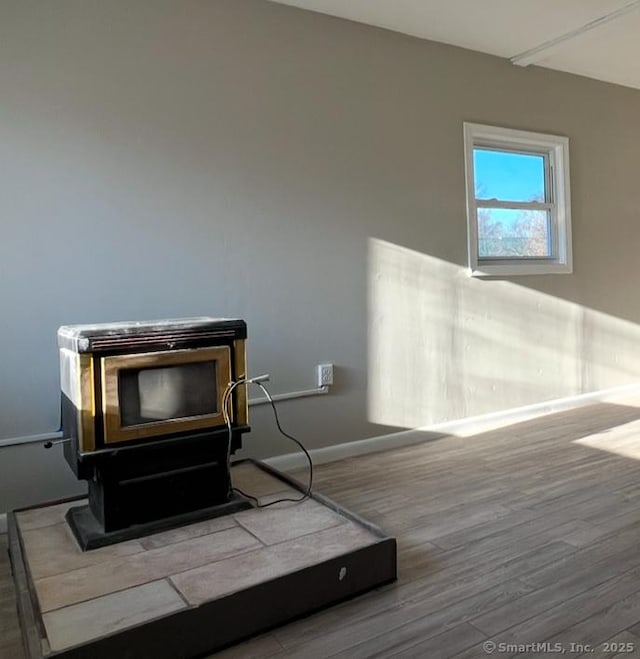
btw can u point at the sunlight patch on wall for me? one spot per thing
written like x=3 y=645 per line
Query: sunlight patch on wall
x=443 y=345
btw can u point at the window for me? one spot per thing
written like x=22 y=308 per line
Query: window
x=518 y=205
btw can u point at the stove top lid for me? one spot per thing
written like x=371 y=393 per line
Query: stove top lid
x=81 y=337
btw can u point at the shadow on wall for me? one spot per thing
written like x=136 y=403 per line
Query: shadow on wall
x=443 y=345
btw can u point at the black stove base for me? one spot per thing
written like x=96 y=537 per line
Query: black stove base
x=90 y=534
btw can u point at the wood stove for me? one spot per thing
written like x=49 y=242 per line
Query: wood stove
x=144 y=424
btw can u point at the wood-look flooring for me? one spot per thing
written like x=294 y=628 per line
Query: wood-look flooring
x=521 y=535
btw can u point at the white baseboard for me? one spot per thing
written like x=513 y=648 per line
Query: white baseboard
x=3 y=522
x=460 y=427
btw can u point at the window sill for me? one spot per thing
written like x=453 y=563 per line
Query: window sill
x=511 y=269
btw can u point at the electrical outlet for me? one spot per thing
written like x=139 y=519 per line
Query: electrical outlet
x=324 y=375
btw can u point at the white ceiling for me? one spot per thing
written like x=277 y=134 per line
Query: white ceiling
x=595 y=38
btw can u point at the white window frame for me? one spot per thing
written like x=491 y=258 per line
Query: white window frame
x=555 y=149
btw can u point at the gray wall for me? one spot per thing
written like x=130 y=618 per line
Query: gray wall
x=248 y=159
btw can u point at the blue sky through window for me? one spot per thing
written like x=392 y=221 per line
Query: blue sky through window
x=508 y=176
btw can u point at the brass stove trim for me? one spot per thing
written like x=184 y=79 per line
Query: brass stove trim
x=85 y=404
x=241 y=373
x=110 y=366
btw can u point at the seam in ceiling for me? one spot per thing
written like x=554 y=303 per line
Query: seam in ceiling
x=536 y=53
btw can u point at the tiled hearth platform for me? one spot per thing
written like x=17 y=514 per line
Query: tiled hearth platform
x=191 y=590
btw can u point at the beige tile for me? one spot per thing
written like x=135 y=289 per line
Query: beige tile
x=125 y=572
x=186 y=532
x=288 y=520
x=252 y=480
x=239 y=572
x=53 y=549
x=84 y=622
x=47 y=516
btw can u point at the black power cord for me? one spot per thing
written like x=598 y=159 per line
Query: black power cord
x=226 y=405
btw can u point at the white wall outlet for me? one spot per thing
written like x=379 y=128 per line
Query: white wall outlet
x=324 y=375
